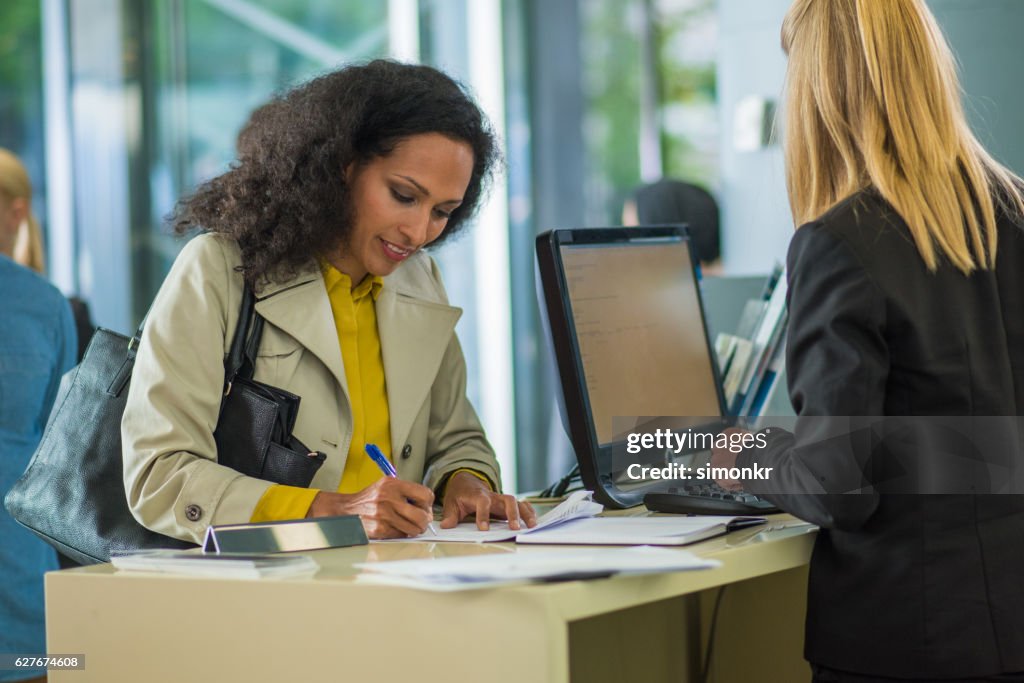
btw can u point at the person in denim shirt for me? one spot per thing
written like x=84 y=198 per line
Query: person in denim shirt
x=37 y=346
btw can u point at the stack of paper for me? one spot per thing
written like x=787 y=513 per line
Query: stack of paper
x=482 y=571
x=221 y=566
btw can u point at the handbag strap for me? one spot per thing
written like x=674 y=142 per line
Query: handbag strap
x=252 y=347
x=124 y=373
x=241 y=358
x=133 y=343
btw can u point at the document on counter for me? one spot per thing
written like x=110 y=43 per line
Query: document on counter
x=574 y=522
x=567 y=564
x=217 y=565
x=668 y=530
x=577 y=505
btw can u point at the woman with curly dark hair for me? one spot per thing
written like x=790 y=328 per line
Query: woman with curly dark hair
x=339 y=185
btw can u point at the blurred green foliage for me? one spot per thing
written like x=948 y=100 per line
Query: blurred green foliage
x=612 y=45
x=612 y=79
x=688 y=84
x=20 y=70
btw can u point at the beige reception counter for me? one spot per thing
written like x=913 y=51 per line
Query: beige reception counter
x=161 y=628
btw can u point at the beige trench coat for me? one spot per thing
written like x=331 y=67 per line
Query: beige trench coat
x=173 y=482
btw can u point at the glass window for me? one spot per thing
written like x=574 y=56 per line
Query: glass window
x=212 y=63
x=671 y=93
x=611 y=49
x=687 y=35
x=21 y=92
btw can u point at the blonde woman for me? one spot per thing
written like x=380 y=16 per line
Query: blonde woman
x=22 y=239
x=906 y=281
x=37 y=346
x=26 y=246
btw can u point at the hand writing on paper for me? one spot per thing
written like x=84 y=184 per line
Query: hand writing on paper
x=467 y=497
x=388 y=508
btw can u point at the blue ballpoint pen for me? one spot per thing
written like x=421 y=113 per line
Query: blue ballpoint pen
x=388 y=469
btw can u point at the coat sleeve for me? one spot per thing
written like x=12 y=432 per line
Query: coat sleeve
x=455 y=438
x=838 y=364
x=172 y=480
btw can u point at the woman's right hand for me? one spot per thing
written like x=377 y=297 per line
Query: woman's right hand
x=388 y=508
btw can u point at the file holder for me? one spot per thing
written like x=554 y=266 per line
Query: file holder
x=283 y=537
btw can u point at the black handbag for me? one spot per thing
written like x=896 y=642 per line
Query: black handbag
x=254 y=430
x=72 y=492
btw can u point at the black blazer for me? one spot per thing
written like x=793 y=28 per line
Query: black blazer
x=926 y=586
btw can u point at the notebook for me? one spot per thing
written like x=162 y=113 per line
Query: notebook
x=574 y=522
x=671 y=530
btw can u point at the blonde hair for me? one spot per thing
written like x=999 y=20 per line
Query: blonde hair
x=873 y=100
x=15 y=184
x=28 y=246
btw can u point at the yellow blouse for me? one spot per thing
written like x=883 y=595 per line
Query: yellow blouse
x=355 y=317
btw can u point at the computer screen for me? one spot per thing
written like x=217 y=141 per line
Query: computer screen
x=644 y=351
x=630 y=340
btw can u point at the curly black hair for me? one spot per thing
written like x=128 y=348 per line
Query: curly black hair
x=286 y=201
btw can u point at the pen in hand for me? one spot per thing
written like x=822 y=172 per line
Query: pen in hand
x=388 y=469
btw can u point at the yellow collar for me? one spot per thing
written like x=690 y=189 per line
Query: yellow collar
x=335 y=278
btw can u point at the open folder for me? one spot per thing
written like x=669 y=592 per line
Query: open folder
x=574 y=522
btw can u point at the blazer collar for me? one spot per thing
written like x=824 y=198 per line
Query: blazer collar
x=415 y=330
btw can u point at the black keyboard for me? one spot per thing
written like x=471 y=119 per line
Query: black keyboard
x=707 y=498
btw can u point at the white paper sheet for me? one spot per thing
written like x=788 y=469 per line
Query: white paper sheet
x=577 y=505
x=484 y=571
x=217 y=565
x=670 y=530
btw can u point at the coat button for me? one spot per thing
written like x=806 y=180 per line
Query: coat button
x=193 y=513
x=406 y=452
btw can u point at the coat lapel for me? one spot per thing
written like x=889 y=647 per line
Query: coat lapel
x=301 y=308
x=414 y=335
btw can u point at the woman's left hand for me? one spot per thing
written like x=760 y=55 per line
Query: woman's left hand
x=467 y=496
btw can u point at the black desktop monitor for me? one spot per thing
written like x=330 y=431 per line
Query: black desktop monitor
x=631 y=345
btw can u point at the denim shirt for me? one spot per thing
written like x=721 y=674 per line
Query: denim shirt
x=37 y=346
